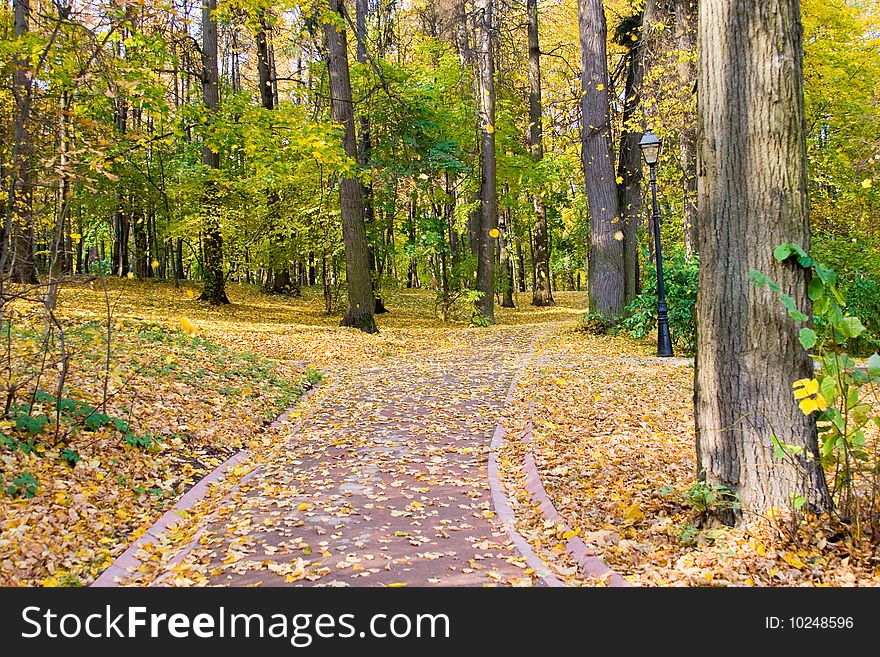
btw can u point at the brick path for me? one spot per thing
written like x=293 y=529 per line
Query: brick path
x=384 y=483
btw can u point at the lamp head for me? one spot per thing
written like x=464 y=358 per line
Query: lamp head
x=650 y=145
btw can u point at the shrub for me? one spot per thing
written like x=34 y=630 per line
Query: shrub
x=680 y=275
x=863 y=301
x=838 y=394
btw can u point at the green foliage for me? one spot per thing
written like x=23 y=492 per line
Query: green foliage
x=478 y=319
x=70 y=455
x=144 y=442
x=312 y=377
x=710 y=498
x=595 y=324
x=680 y=276
x=23 y=485
x=839 y=394
x=863 y=301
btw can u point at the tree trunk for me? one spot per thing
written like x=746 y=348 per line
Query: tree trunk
x=606 y=244
x=685 y=36
x=483 y=18
x=178 y=260
x=214 y=281
x=354 y=235
x=19 y=218
x=279 y=280
x=629 y=167
x=752 y=196
x=365 y=146
x=541 y=296
x=139 y=228
x=506 y=265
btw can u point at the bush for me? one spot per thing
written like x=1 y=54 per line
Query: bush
x=863 y=301
x=842 y=395
x=680 y=275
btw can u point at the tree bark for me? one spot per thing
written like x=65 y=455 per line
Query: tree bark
x=279 y=280
x=629 y=166
x=139 y=228
x=752 y=196
x=541 y=296
x=19 y=218
x=354 y=235
x=365 y=146
x=214 y=281
x=506 y=264
x=685 y=36
x=483 y=18
x=606 y=248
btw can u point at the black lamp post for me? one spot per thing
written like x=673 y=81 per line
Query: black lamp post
x=650 y=145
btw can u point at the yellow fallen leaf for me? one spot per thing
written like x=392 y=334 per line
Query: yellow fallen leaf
x=187 y=326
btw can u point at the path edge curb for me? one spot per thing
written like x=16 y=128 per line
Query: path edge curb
x=500 y=500
x=590 y=565
x=127 y=563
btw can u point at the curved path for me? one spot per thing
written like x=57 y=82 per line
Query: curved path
x=384 y=483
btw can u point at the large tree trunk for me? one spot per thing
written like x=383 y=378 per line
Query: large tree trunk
x=351 y=198
x=541 y=296
x=752 y=196
x=606 y=245
x=629 y=166
x=685 y=37
x=483 y=18
x=214 y=281
x=19 y=205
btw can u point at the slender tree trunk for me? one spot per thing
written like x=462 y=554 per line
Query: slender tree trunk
x=521 y=267
x=139 y=228
x=354 y=235
x=541 y=296
x=214 y=280
x=606 y=243
x=178 y=259
x=685 y=37
x=365 y=146
x=19 y=206
x=279 y=280
x=629 y=167
x=752 y=193
x=412 y=276
x=121 y=222
x=506 y=264
x=484 y=10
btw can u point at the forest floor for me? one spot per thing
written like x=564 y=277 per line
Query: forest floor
x=379 y=477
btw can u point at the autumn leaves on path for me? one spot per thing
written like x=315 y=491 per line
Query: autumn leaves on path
x=383 y=483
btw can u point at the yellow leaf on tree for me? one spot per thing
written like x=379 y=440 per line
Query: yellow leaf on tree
x=809 y=405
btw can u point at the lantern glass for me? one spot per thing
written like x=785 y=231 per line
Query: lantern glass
x=650 y=145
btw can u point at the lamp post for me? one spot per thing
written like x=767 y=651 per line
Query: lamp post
x=650 y=145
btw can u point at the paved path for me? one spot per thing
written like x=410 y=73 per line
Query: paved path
x=385 y=482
